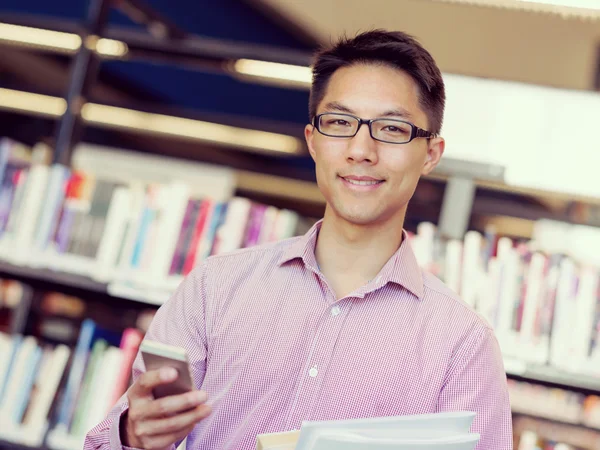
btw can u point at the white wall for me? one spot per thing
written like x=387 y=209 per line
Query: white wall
x=546 y=138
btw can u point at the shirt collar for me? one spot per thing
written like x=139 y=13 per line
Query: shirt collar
x=402 y=268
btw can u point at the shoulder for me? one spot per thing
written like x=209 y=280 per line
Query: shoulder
x=240 y=262
x=446 y=302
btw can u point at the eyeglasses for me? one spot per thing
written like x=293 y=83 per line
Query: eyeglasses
x=391 y=131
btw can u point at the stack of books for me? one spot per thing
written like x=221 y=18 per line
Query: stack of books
x=440 y=431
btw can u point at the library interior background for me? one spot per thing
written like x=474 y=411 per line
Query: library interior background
x=138 y=137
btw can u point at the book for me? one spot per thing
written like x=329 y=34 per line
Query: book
x=443 y=431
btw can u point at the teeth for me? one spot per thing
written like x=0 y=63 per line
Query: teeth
x=361 y=182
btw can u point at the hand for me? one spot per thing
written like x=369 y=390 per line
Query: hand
x=154 y=424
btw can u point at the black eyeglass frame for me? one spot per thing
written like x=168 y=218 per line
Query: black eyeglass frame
x=415 y=130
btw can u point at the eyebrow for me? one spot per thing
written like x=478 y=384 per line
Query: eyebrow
x=396 y=112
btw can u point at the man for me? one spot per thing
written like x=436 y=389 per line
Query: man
x=339 y=323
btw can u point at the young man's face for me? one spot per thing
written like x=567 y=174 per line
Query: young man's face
x=371 y=91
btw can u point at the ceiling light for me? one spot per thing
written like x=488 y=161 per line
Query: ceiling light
x=39 y=38
x=258 y=141
x=106 y=47
x=122 y=118
x=59 y=41
x=43 y=105
x=110 y=47
x=288 y=74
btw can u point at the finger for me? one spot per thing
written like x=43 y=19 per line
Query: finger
x=174 y=404
x=164 y=441
x=149 y=380
x=173 y=425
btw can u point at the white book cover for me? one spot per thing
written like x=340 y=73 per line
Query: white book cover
x=424 y=244
x=446 y=423
x=55 y=193
x=585 y=317
x=7 y=239
x=230 y=234
x=33 y=200
x=101 y=391
x=509 y=298
x=173 y=199
x=36 y=420
x=453 y=264
x=113 y=235
x=6 y=349
x=285 y=224
x=564 y=310
x=138 y=194
x=471 y=273
x=17 y=377
x=532 y=303
x=490 y=292
x=356 y=441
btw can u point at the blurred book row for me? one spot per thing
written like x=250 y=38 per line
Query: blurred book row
x=530 y=440
x=543 y=303
x=59 y=391
x=554 y=403
x=139 y=227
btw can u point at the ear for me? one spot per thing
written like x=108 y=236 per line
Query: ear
x=309 y=133
x=435 y=150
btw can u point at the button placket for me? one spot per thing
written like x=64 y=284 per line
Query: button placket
x=316 y=366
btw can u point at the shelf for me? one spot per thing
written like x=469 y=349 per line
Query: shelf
x=556 y=421
x=67 y=283
x=6 y=445
x=551 y=376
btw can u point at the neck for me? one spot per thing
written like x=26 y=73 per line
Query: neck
x=356 y=250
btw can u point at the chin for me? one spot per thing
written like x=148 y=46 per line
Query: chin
x=359 y=217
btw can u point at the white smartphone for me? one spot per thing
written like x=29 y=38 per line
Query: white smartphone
x=157 y=355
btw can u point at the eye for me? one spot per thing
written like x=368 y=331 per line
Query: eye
x=394 y=129
x=338 y=122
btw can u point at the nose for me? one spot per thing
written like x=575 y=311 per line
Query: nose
x=362 y=147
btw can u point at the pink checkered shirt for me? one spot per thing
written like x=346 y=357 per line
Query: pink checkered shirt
x=272 y=347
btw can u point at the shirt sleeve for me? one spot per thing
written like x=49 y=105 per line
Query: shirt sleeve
x=476 y=382
x=180 y=321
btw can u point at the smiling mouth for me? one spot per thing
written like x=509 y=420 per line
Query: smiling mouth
x=362 y=182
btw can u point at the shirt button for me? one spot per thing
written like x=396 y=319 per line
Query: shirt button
x=313 y=372
x=335 y=310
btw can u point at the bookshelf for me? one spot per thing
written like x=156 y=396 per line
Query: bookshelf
x=551 y=376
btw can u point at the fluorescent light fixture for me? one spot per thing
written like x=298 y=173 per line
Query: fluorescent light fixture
x=106 y=47
x=39 y=38
x=43 y=105
x=258 y=141
x=115 y=117
x=58 y=41
x=274 y=72
x=110 y=47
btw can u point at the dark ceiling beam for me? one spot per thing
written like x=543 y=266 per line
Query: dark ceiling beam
x=47 y=73
x=283 y=21
x=156 y=23
x=201 y=52
x=45 y=22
